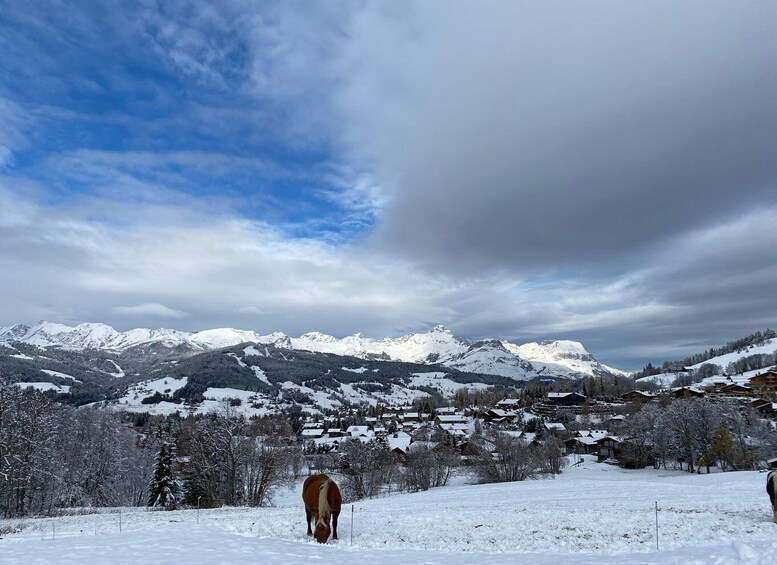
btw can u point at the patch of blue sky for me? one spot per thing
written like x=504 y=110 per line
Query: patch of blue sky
x=116 y=113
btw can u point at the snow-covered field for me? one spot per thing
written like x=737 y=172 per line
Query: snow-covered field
x=592 y=514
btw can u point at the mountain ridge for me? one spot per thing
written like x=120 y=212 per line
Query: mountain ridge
x=559 y=358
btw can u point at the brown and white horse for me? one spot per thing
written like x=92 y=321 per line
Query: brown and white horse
x=771 y=488
x=322 y=500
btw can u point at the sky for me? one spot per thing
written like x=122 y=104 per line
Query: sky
x=597 y=171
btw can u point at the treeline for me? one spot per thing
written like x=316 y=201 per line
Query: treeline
x=55 y=456
x=695 y=434
x=754 y=339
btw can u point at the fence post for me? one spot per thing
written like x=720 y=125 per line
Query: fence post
x=656 y=525
x=351 y=524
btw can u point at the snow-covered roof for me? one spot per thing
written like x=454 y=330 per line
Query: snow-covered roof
x=399 y=440
x=445 y=418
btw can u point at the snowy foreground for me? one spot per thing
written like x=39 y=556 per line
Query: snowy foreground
x=592 y=514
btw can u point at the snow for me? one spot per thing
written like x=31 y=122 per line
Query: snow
x=251 y=350
x=43 y=386
x=133 y=399
x=119 y=371
x=446 y=386
x=260 y=374
x=769 y=346
x=590 y=514
x=359 y=370
x=664 y=380
x=60 y=375
x=22 y=356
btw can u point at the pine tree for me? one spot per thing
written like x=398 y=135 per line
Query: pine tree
x=164 y=488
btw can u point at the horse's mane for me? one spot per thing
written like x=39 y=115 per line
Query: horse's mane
x=323 y=503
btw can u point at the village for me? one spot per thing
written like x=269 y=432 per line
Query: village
x=586 y=426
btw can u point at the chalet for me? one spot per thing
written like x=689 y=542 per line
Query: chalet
x=617 y=419
x=555 y=427
x=609 y=448
x=450 y=419
x=335 y=432
x=734 y=389
x=688 y=392
x=410 y=417
x=638 y=396
x=497 y=416
x=448 y=410
x=765 y=380
x=565 y=399
x=530 y=438
x=508 y=404
x=758 y=403
x=358 y=431
x=399 y=443
x=716 y=383
x=768 y=409
x=581 y=445
x=311 y=433
x=459 y=431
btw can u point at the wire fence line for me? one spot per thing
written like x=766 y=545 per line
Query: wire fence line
x=352 y=527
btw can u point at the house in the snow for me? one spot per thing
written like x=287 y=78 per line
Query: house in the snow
x=399 y=444
x=450 y=419
x=555 y=427
x=734 y=389
x=609 y=447
x=565 y=399
x=638 y=396
x=311 y=433
x=508 y=404
x=688 y=392
x=499 y=416
x=581 y=444
x=767 y=380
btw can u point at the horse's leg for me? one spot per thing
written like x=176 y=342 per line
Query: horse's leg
x=774 y=509
x=336 y=513
x=307 y=521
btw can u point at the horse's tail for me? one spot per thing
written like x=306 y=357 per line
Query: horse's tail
x=323 y=501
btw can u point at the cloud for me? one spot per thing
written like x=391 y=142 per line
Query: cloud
x=536 y=137
x=151 y=310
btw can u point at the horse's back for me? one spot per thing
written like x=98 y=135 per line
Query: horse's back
x=334 y=498
x=310 y=489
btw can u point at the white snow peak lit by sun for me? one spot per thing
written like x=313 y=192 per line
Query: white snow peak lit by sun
x=591 y=514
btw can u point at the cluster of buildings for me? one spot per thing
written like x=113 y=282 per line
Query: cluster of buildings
x=399 y=427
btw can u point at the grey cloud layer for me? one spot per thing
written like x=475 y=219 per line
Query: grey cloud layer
x=571 y=137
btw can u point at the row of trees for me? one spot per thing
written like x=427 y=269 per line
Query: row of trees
x=694 y=434
x=54 y=456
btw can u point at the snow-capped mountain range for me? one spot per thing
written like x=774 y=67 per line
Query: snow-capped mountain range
x=561 y=358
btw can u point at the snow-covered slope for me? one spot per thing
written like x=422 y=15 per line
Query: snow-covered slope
x=769 y=347
x=565 y=359
x=590 y=514
x=568 y=354
x=436 y=346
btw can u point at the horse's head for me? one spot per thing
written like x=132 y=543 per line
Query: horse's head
x=322 y=531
